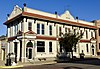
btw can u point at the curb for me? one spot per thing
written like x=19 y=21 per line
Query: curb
x=11 y=66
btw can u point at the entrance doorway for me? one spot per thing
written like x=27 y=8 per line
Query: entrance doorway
x=30 y=53
x=93 y=50
x=15 y=50
x=29 y=50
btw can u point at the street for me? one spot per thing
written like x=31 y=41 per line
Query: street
x=83 y=64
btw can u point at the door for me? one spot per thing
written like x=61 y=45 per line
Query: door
x=15 y=50
x=30 y=53
x=92 y=51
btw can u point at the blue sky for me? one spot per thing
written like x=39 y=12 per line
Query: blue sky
x=85 y=9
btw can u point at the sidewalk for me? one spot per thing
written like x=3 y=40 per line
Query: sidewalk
x=36 y=63
x=20 y=64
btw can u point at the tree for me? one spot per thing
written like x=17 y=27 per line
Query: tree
x=69 y=41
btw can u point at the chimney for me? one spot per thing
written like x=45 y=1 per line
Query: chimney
x=8 y=16
x=24 y=8
x=24 y=4
x=56 y=14
x=77 y=19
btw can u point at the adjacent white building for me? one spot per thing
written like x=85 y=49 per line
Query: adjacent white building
x=34 y=34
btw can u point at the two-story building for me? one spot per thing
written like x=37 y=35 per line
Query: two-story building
x=34 y=34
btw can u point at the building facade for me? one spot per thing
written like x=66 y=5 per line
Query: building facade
x=34 y=35
x=3 y=45
x=97 y=24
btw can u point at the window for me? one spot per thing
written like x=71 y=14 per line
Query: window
x=80 y=31
x=99 y=45
x=42 y=28
x=38 y=28
x=65 y=30
x=91 y=34
x=15 y=47
x=29 y=26
x=99 y=31
x=69 y=30
x=40 y=46
x=87 y=48
x=59 y=31
x=74 y=31
x=50 y=46
x=86 y=34
x=50 y=29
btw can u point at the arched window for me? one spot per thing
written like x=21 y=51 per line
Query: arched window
x=29 y=44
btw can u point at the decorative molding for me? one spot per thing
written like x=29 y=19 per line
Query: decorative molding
x=46 y=37
x=11 y=38
x=88 y=41
x=32 y=15
x=30 y=32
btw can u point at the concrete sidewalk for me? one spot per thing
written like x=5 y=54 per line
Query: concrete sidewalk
x=20 y=64
x=36 y=63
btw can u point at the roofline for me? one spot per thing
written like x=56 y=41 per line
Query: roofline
x=27 y=14
x=12 y=19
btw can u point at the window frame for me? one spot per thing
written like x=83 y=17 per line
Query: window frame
x=50 y=46
x=38 y=28
x=99 y=31
x=91 y=34
x=50 y=29
x=40 y=46
x=87 y=48
x=86 y=34
x=65 y=30
x=60 y=31
x=42 y=29
x=99 y=45
x=29 y=25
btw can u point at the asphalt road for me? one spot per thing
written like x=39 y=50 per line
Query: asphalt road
x=62 y=66
x=79 y=64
